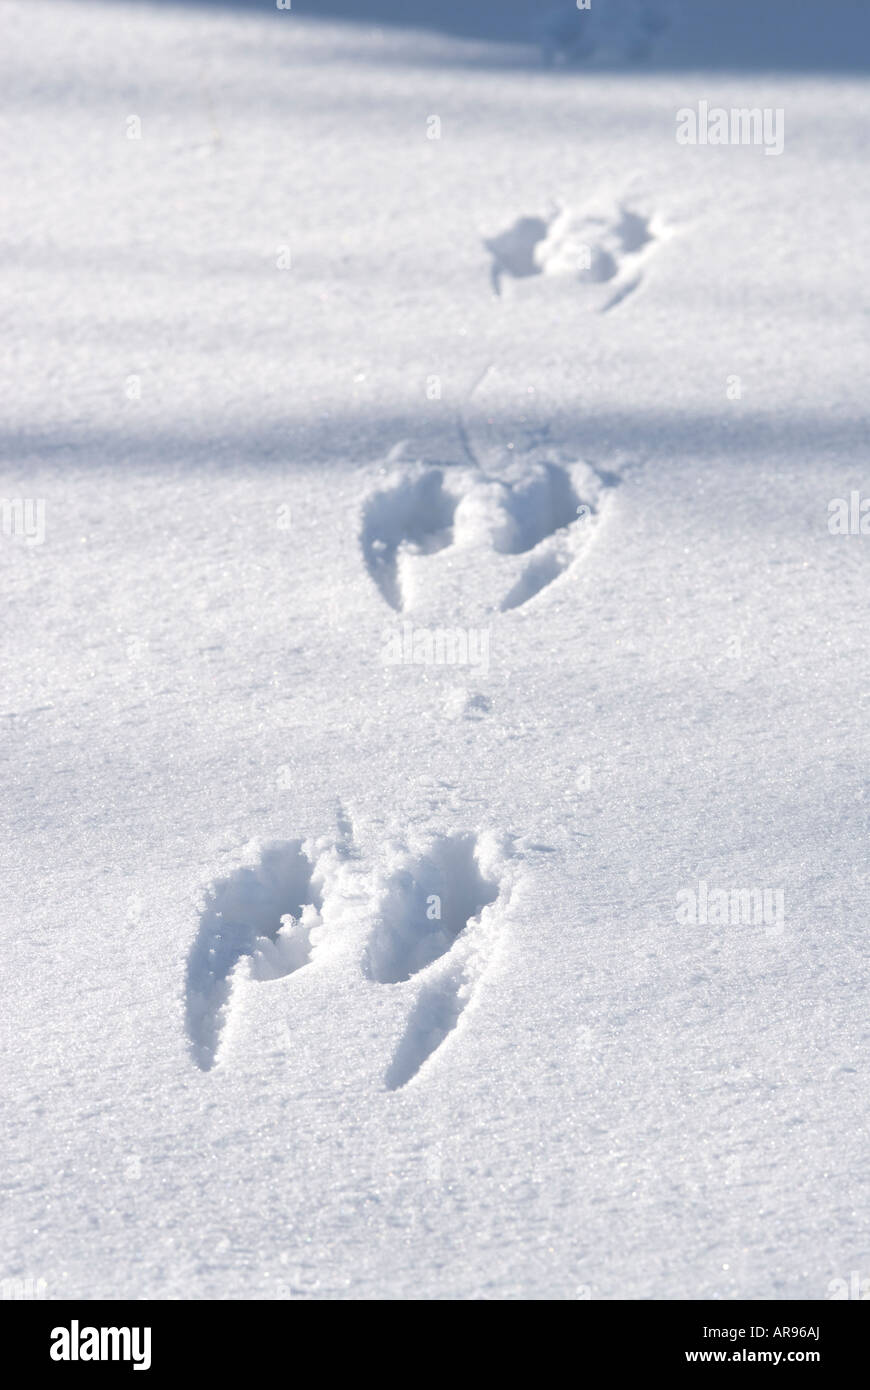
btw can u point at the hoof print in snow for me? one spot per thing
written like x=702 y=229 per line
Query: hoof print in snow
x=513 y=251
x=414 y=514
x=435 y=1014
x=427 y=904
x=258 y=923
x=452 y=535
x=533 y=508
x=435 y=915
x=546 y=520
x=604 y=244
x=535 y=577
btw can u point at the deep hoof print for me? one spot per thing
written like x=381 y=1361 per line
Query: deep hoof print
x=436 y=913
x=439 y=915
x=428 y=902
x=451 y=538
x=599 y=245
x=260 y=924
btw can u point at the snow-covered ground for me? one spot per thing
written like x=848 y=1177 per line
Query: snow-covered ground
x=417 y=471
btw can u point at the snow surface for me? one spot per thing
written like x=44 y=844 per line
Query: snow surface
x=315 y=402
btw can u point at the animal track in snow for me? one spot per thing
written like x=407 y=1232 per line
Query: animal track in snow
x=436 y=534
x=435 y=1014
x=535 y=577
x=414 y=513
x=540 y=502
x=260 y=923
x=427 y=904
x=436 y=916
x=435 y=913
x=603 y=244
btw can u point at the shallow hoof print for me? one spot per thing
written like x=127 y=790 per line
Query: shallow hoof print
x=513 y=250
x=599 y=249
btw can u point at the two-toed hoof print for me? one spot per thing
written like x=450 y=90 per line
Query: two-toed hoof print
x=433 y=918
x=430 y=527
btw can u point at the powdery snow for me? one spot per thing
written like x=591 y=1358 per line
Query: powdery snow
x=395 y=653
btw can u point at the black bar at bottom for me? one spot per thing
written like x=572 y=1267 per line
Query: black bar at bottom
x=203 y=1337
